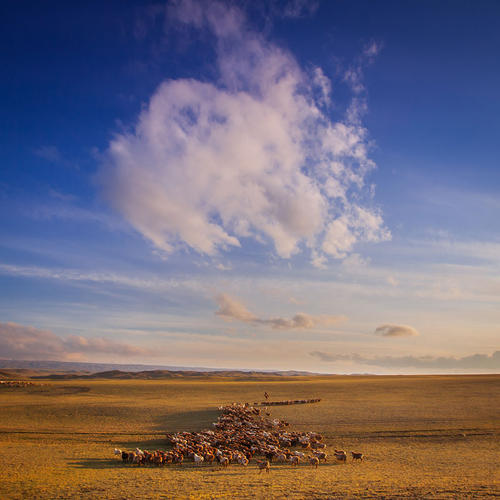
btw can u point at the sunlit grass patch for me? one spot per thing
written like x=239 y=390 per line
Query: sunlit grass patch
x=422 y=437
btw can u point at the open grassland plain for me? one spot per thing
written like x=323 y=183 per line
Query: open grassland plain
x=422 y=437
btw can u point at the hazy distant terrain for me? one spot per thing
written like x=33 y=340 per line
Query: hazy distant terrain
x=107 y=370
x=23 y=373
x=88 y=367
x=423 y=437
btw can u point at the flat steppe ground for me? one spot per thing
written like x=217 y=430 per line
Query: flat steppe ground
x=423 y=437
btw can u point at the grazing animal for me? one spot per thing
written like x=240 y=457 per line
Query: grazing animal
x=197 y=459
x=357 y=456
x=341 y=457
x=294 y=460
x=321 y=455
x=224 y=462
x=118 y=452
x=317 y=445
x=264 y=465
x=314 y=461
x=124 y=456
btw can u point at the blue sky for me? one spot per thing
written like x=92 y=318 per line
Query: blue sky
x=292 y=185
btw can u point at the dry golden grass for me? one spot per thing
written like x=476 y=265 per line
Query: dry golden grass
x=423 y=437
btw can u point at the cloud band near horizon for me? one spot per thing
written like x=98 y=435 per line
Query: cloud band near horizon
x=473 y=361
x=26 y=342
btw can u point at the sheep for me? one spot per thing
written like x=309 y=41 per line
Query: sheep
x=315 y=445
x=294 y=460
x=357 y=456
x=118 y=452
x=197 y=459
x=314 y=461
x=321 y=455
x=341 y=457
x=264 y=465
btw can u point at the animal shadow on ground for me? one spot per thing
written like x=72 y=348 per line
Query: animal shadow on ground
x=189 y=421
x=116 y=463
x=96 y=463
x=150 y=444
x=64 y=390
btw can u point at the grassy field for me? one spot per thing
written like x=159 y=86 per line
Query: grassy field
x=423 y=437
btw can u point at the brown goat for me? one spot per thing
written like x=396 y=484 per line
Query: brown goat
x=264 y=465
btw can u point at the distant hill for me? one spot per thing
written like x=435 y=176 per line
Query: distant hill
x=62 y=370
x=168 y=374
x=90 y=367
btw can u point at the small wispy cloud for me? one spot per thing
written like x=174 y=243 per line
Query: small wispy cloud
x=391 y=280
x=223 y=267
x=52 y=154
x=372 y=49
x=231 y=309
x=49 y=153
x=354 y=78
x=355 y=262
x=66 y=197
x=391 y=330
x=299 y=8
x=153 y=284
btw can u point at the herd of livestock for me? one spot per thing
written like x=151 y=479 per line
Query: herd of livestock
x=288 y=402
x=17 y=383
x=241 y=434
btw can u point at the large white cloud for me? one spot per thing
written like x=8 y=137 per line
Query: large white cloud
x=254 y=155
